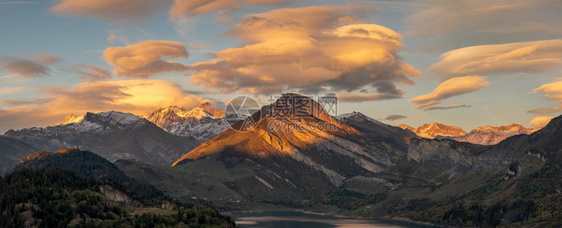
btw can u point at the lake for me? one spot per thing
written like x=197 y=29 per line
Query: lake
x=300 y=219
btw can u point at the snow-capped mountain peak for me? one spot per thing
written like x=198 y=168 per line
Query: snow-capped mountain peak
x=114 y=135
x=505 y=130
x=197 y=113
x=488 y=135
x=101 y=123
x=202 y=122
x=407 y=127
x=203 y=111
x=484 y=135
x=437 y=129
x=70 y=119
x=163 y=117
x=113 y=117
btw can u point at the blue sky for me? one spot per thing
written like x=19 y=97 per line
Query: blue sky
x=463 y=63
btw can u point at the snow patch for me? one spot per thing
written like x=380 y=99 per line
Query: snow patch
x=264 y=182
x=119 y=117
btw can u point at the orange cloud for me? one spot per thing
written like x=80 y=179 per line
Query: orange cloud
x=135 y=96
x=452 y=87
x=540 y=121
x=29 y=67
x=117 y=11
x=308 y=49
x=553 y=91
x=193 y=8
x=144 y=59
x=527 y=57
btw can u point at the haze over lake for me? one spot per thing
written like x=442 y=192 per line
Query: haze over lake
x=275 y=219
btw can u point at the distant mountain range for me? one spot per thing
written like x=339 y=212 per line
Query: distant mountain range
x=363 y=161
x=201 y=123
x=484 y=135
x=435 y=129
x=159 y=138
x=113 y=135
x=351 y=163
x=273 y=155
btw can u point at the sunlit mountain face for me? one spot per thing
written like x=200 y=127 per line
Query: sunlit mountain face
x=202 y=122
x=436 y=111
x=484 y=135
x=277 y=129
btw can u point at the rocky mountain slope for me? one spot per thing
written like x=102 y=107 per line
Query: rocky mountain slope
x=266 y=161
x=378 y=131
x=113 y=135
x=201 y=123
x=515 y=182
x=521 y=175
x=488 y=135
x=433 y=130
x=484 y=135
x=358 y=166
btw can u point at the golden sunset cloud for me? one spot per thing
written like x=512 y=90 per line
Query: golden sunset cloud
x=528 y=57
x=144 y=59
x=452 y=87
x=138 y=97
x=553 y=91
x=540 y=121
x=308 y=49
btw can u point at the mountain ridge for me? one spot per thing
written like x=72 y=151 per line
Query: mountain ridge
x=272 y=154
x=202 y=122
x=483 y=135
x=12 y=151
x=437 y=180
x=263 y=131
x=113 y=135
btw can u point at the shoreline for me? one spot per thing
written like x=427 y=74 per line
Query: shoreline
x=338 y=216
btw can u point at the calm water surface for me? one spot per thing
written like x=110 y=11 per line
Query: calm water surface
x=300 y=219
